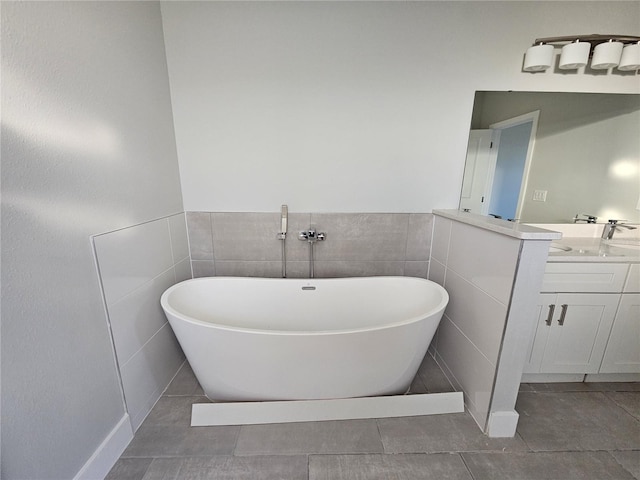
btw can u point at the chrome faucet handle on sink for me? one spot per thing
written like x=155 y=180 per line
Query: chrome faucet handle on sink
x=610 y=228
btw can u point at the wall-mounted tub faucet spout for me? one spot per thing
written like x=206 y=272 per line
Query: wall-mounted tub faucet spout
x=312 y=237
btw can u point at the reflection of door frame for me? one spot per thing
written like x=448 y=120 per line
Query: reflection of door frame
x=512 y=122
x=480 y=165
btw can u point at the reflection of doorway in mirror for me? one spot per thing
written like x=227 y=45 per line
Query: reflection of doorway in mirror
x=513 y=163
x=510 y=169
x=478 y=172
x=497 y=167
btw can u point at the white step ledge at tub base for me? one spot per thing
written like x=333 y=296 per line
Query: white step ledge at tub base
x=502 y=424
x=251 y=413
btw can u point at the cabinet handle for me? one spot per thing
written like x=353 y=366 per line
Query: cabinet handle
x=563 y=314
x=550 y=316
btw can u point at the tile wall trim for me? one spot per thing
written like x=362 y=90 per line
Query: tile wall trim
x=135 y=225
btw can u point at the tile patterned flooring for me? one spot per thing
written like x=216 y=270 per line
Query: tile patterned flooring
x=566 y=431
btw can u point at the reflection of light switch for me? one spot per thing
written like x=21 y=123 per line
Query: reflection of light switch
x=539 y=195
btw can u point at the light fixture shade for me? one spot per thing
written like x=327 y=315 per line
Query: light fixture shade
x=538 y=58
x=606 y=55
x=574 y=55
x=630 y=58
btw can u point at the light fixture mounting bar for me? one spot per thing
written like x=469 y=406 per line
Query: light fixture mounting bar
x=594 y=39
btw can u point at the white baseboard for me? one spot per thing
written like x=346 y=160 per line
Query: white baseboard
x=502 y=424
x=579 y=377
x=108 y=453
x=612 y=377
x=551 y=377
x=244 y=413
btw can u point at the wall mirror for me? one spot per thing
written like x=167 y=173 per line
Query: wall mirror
x=545 y=157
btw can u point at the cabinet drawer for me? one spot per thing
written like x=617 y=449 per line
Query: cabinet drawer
x=633 y=280
x=584 y=277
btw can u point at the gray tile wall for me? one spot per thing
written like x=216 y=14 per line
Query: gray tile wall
x=136 y=265
x=357 y=244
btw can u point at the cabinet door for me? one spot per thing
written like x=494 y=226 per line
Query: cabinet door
x=540 y=332
x=579 y=332
x=623 y=349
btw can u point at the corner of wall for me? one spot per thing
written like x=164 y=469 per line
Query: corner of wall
x=107 y=454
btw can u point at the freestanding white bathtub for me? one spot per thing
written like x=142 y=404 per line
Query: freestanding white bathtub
x=299 y=339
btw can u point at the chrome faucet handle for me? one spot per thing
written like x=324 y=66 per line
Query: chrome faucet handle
x=311 y=235
x=612 y=226
x=590 y=218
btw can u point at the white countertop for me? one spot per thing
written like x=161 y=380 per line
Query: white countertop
x=511 y=229
x=584 y=249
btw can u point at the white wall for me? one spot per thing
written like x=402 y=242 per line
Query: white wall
x=87 y=147
x=352 y=106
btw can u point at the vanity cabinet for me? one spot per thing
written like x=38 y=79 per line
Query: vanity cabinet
x=587 y=322
x=623 y=350
x=571 y=333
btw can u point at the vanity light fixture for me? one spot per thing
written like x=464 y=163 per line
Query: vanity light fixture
x=606 y=51
x=630 y=59
x=574 y=55
x=606 y=55
x=538 y=57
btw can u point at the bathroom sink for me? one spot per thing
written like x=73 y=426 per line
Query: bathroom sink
x=631 y=245
x=555 y=248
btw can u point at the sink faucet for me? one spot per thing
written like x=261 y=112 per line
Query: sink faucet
x=589 y=219
x=610 y=228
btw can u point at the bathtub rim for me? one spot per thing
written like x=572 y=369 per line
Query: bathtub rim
x=167 y=308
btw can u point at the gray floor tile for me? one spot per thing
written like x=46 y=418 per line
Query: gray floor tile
x=345 y=436
x=164 y=469
x=437 y=466
x=173 y=411
x=547 y=465
x=229 y=468
x=417 y=386
x=184 y=383
x=630 y=460
x=129 y=469
x=630 y=401
x=440 y=433
x=575 y=421
x=167 y=441
x=432 y=376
